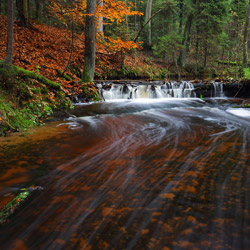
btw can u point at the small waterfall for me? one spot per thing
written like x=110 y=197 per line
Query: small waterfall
x=113 y=91
x=218 y=89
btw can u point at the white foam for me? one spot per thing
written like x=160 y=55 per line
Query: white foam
x=239 y=112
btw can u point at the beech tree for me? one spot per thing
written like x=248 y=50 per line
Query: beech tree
x=23 y=12
x=39 y=9
x=100 y=21
x=90 y=39
x=10 y=33
x=186 y=34
x=246 y=36
x=148 y=19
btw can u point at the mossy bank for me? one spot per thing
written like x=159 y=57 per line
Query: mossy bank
x=27 y=98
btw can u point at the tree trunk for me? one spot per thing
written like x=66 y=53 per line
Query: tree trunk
x=100 y=21
x=245 y=37
x=181 y=16
x=197 y=54
x=23 y=12
x=183 y=52
x=148 y=17
x=135 y=19
x=90 y=33
x=205 y=54
x=10 y=33
x=39 y=9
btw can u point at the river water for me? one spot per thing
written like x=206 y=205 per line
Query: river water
x=132 y=174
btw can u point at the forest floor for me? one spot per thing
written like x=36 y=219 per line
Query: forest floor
x=47 y=51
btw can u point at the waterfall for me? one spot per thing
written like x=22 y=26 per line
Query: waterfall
x=111 y=91
x=217 y=89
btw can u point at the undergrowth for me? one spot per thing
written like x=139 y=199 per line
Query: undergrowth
x=26 y=99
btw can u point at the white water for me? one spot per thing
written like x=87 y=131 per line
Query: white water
x=218 y=89
x=130 y=91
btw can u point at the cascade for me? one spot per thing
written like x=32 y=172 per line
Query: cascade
x=111 y=91
x=218 y=89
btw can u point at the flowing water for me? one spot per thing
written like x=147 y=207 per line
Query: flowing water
x=133 y=174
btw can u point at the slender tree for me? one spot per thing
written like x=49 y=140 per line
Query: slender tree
x=90 y=39
x=100 y=21
x=246 y=36
x=10 y=33
x=186 y=38
x=39 y=9
x=180 y=16
x=23 y=12
x=148 y=19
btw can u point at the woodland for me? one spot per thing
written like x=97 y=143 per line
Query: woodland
x=54 y=50
x=124 y=124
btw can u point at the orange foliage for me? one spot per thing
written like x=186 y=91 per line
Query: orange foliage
x=46 y=50
x=114 y=11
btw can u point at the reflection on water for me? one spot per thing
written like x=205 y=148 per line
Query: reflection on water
x=171 y=174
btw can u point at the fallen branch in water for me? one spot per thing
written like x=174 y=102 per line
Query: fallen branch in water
x=8 y=210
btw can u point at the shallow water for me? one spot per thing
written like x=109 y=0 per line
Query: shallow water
x=142 y=174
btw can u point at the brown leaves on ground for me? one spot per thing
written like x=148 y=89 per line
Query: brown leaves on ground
x=46 y=50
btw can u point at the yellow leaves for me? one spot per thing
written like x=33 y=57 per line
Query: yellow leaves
x=119 y=45
x=187 y=231
x=144 y=231
x=106 y=211
x=167 y=196
x=165 y=248
x=191 y=219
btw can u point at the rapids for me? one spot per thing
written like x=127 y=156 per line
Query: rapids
x=169 y=173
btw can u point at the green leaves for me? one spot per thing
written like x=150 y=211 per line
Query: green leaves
x=7 y=211
x=246 y=72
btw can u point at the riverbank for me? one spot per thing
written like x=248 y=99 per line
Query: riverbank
x=48 y=70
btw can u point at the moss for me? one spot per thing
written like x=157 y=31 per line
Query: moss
x=12 y=118
x=8 y=210
x=64 y=75
x=39 y=78
x=14 y=70
x=26 y=98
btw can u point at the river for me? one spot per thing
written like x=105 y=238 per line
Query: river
x=134 y=174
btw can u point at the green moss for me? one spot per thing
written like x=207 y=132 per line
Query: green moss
x=65 y=76
x=38 y=77
x=7 y=211
x=11 y=118
x=26 y=98
x=90 y=93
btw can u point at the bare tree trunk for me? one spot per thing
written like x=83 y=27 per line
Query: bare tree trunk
x=10 y=33
x=205 y=54
x=39 y=9
x=72 y=46
x=135 y=19
x=23 y=12
x=246 y=36
x=181 y=16
x=100 y=21
x=183 y=52
x=148 y=17
x=90 y=33
x=197 y=53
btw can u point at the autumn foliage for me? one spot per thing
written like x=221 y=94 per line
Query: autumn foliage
x=112 y=11
x=49 y=50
